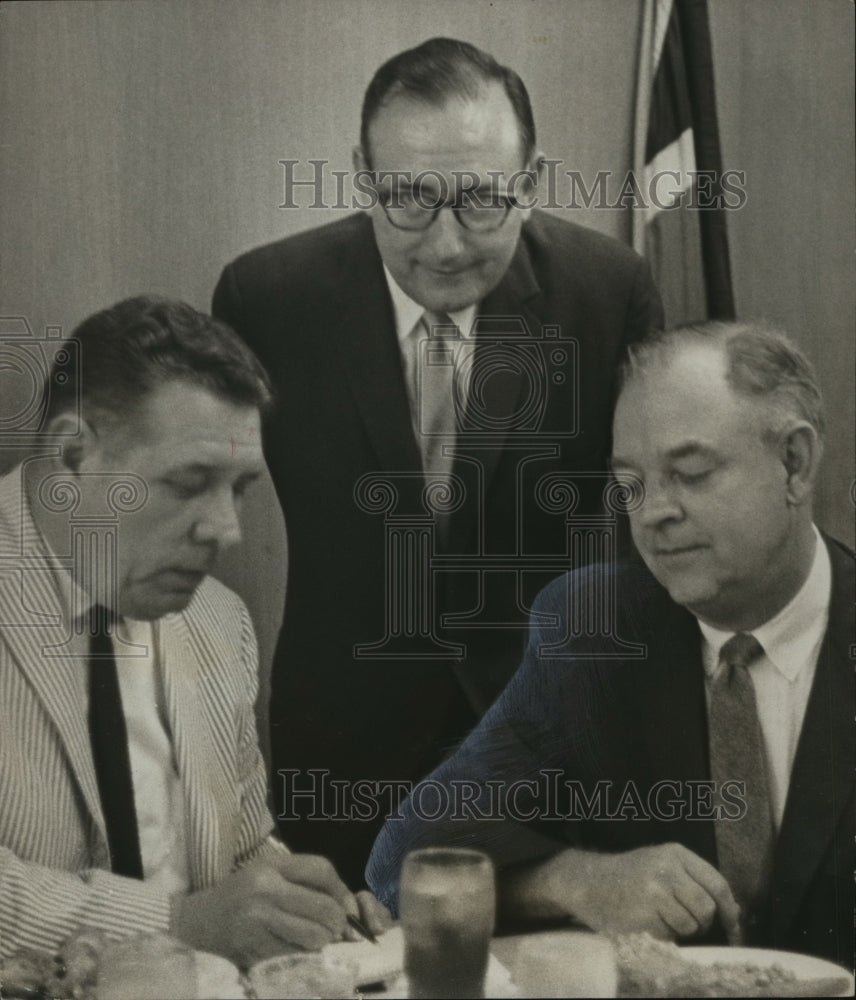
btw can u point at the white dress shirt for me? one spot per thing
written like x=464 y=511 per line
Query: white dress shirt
x=783 y=676
x=158 y=796
x=408 y=314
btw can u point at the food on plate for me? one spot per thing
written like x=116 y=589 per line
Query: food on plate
x=71 y=973
x=79 y=957
x=302 y=974
x=369 y=963
x=334 y=972
x=25 y=973
x=651 y=968
x=152 y=965
x=89 y=966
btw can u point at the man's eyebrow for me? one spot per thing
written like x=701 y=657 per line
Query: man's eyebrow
x=689 y=449
x=692 y=449
x=190 y=467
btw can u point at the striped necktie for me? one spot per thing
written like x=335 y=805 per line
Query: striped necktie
x=744 y=845
x=433 y=390
x=109 y=740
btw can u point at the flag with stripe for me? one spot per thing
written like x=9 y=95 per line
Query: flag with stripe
x=678 y=164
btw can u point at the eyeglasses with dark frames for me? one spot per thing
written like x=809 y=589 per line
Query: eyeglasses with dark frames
x=414 y=209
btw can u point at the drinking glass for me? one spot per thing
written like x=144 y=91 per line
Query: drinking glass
x=448 y=906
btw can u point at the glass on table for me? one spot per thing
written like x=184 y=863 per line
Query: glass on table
x=448 y=907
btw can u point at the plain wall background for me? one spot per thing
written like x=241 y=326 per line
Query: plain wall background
x=139 y=149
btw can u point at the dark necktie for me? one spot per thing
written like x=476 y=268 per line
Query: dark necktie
x=109 y=738
x=745 y=845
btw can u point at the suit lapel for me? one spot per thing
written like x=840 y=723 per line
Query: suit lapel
x=822 y=778
x=671 y=707
x=197 y=757
x=509 y=303
x=370 y=358
x=36 y=632
x=58 y=679
x=511 y=300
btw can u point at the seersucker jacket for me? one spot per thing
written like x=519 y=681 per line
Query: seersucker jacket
x=54 y=862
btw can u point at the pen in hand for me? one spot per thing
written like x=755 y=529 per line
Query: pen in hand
x=361 y=928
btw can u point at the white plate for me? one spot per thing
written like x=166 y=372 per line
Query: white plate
x=559 y=963
x=364 y=963
x=803 y=966
x=217 y=978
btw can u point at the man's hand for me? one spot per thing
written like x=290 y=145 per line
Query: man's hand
x=296 y=901
x=373 y=914
x=666 y=890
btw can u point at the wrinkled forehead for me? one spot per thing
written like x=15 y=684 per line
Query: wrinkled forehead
x=458 y=132
x=679 y=397
x=228 y=445
x=179 y=423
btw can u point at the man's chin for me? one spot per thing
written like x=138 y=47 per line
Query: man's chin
x=449 y=300
x=688 y=591
x=164 y=603
x=453 y=291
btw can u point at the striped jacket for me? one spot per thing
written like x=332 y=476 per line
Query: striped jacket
x=54 y=864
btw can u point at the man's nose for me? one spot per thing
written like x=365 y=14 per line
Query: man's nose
x=659 y=504
x=446 y=236
x=219 y=523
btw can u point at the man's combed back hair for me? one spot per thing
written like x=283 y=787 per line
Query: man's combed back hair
x=442 y=69
x=762 y=363
x=131 y=348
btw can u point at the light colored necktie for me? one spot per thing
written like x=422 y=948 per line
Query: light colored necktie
x=744 y=845
x=432 y=388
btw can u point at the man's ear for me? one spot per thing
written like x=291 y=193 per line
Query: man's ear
x=358 y=159
x=535 y=173
x=800 y=450
x=79 y=441
x=536 y=163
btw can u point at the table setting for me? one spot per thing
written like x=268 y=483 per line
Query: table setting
x=442 y=947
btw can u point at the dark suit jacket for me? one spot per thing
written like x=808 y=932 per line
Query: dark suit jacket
x=633 y=724
x=317 y=311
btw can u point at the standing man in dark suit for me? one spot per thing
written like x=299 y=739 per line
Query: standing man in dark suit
x=713 y=769
x=438 y=358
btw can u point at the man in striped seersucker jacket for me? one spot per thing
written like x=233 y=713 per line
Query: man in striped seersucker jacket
x=107 y=535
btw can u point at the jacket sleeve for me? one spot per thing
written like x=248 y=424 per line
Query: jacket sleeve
x=255 y=840
x=41 y=906
x=499 y=792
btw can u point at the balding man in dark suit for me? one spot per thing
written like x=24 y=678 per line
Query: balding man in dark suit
x=710 y=770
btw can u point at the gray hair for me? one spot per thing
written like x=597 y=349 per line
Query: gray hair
x=762 y=363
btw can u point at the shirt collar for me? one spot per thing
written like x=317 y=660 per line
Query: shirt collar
x=408 y=312
x=789 y=637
